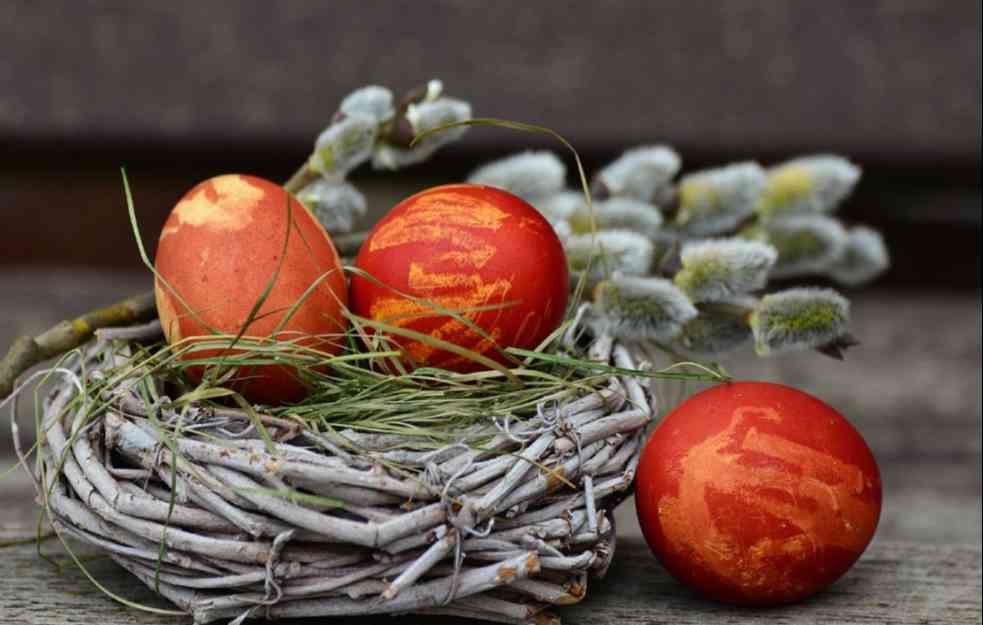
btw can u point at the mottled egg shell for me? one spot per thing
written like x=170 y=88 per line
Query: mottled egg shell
x=757 y=494
x=218 y=251
x=463 y=247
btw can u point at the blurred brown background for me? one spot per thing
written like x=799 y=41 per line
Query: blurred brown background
x=179 y=91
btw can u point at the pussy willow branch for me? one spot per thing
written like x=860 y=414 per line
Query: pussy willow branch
x=65 y=336
x=301 y=178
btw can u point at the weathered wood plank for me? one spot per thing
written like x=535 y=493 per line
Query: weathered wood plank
x=34 y=592
x=847 y=76
x=894 y=583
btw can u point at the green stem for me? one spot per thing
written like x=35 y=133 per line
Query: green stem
x=301 y=178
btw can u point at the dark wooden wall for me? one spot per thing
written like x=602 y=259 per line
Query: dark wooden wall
x=181 y=90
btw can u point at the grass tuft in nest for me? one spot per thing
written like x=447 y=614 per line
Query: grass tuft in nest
x=357 y=389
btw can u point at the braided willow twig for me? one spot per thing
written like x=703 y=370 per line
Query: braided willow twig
x=498 y=533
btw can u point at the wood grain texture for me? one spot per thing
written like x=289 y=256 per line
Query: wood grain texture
x=893 y=584
x=900 y=80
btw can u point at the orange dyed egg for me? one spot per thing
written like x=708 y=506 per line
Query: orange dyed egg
x=220 y=248
x=463 y=247
x=757 y=494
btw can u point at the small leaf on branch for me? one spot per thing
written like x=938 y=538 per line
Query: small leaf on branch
x=806 y=244
x=338 y=206
x=716 y=269
x=618 y=213
x=809 y=184
x=864 y=259
x=639 y=173
x=799 y=319
x=529 y=175
x=714 y=201
x=633 y=307
x=609 y=251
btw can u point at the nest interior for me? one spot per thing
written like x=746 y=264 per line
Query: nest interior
x=227 y=525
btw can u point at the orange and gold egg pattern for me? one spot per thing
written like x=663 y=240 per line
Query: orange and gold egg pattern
x=478 y=251
x=757 y=494
x=220 y=247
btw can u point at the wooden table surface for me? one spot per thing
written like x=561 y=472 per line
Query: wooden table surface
x=894 y=582
x=912 y=389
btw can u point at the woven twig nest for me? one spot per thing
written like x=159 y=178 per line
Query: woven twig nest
x=498 y=532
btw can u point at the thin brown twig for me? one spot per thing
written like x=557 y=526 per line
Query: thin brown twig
x=65 y=336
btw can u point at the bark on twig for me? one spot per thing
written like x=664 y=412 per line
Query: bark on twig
x=65 y=336
x=499 y=532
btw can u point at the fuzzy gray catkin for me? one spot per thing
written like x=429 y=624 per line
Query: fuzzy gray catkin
x=373 y=101
x=716 y=269
x=798 y=319
x=717 y=329
x=716 y=200
x=338 y=206
x=641 y=224
x=609 y=252
x=806 y=244
x=344 y=145
x=639 y=308
x=618 y=213
x=424 y=117
x=864 y=258
x=640 y=172
x=560 y=207
x=808 y=184
x=530 y=175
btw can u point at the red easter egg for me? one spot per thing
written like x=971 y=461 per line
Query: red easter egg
x=757 y=494
x=462 y=247
x=218 y=251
